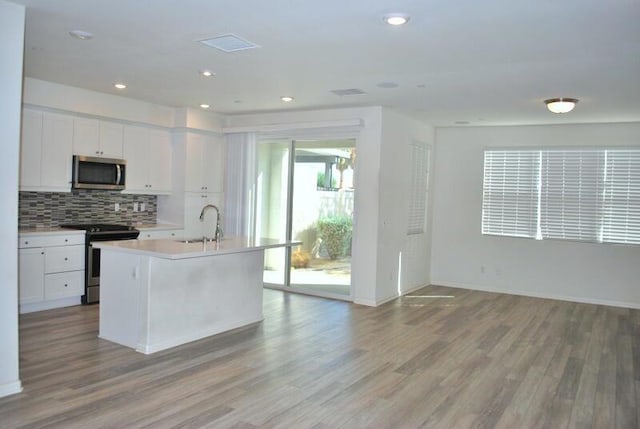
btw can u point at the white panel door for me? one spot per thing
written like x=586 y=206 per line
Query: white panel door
x=194 y=163
x=159 y=161
x=213 y=164
x=135 y=150
x=30 y=149
x=57 y=149
x=86 y=137
x=111 y=137
x=31 y=275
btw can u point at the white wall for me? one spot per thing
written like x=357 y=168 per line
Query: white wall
x=403 y=260
x=381 y=205
x=11 y=49
x=584 y=272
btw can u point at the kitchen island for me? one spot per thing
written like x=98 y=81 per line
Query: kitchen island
x=158 y=294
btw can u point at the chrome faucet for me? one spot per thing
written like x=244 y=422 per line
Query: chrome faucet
x=217 y=235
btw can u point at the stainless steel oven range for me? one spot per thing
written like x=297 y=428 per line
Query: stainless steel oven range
x=99 y=232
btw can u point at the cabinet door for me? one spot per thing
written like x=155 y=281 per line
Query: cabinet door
x=31 y=275
x=86 y=137
x=30 y=149
x=193 y=204
x=111 y=136
x=194 y=162
x=57 y=142
x=64 y=258
x=213 y=164
x=62 y=285
x=159 y=162
x=135 y=148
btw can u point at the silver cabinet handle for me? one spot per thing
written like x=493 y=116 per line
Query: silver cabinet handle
x=118 y=174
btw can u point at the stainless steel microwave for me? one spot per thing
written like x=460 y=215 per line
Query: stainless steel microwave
x=98 y=173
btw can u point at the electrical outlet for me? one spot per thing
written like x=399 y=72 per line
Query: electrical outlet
x=116 y=207
x=135 y=207
x=143 y=207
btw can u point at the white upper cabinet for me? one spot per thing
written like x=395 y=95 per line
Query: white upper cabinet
x=204 y=163
x=45 y=152
x=148 y=155
x=92 y=137
x=31 y=149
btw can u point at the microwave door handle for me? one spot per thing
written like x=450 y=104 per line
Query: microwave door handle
x=118 y=174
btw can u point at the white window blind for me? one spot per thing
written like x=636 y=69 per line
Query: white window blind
x=571 y=194
x=579 y=194
x=419 y=189
x=510 y=192
x=621 y=201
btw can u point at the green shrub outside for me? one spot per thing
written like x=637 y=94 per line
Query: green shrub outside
x=335 y=233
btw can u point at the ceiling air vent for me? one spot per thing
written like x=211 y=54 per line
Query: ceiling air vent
x=229 y=43
x=350 y=91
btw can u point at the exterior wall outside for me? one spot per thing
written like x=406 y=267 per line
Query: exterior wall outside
x=12 y=19
x=463 y=257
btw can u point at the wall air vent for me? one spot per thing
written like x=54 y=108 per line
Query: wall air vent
x=229 y=43
x=350 y=91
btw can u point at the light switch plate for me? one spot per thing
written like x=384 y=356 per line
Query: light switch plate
x=143 y=207
x=116 y=207
x=135 y=207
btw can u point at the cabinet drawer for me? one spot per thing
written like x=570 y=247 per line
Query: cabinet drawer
x=50 y=240
x=63 y=258
x=61 y=285
x=166 y=233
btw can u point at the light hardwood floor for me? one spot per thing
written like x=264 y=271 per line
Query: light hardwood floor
x=474 y=360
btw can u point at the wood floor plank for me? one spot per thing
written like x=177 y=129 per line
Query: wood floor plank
x=438 y=358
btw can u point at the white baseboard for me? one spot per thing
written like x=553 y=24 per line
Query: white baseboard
x=377 y=302
x=48 y=305
x=147 y=348
x=579 y=299
x=10 y=388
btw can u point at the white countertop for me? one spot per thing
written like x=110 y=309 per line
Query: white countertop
x=25 y=232
x=175 y=249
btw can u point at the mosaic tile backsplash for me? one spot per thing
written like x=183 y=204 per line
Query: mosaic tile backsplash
x=51 y=209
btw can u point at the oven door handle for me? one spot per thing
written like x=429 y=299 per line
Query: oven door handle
x=118 y=174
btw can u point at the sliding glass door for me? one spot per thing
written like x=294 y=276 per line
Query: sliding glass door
x=304 y=192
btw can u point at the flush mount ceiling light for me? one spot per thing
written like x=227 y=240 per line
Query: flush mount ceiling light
x=81 y=35
x=119 y=85
x=286 y=99
x=396 y=18
x=205 y=106
x=561 y=105
x=207 y=73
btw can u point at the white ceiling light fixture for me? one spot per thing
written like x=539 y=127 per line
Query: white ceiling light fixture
x=207 y=73
x=205 y=106
x=396 y=19
x=286 y=99
x=80 y=35
x=561 y=105
x=119 y=85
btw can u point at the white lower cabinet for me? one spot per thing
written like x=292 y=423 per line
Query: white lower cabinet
x=51 y=270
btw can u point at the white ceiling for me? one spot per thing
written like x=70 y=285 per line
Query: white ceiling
x=485 y=62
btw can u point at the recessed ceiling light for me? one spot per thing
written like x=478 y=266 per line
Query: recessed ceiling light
x=79 y=34
x=120 y=85
x=207 y=73
x=286 y=99
x=205 y=106
x=561 y=105
x=396 y=19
